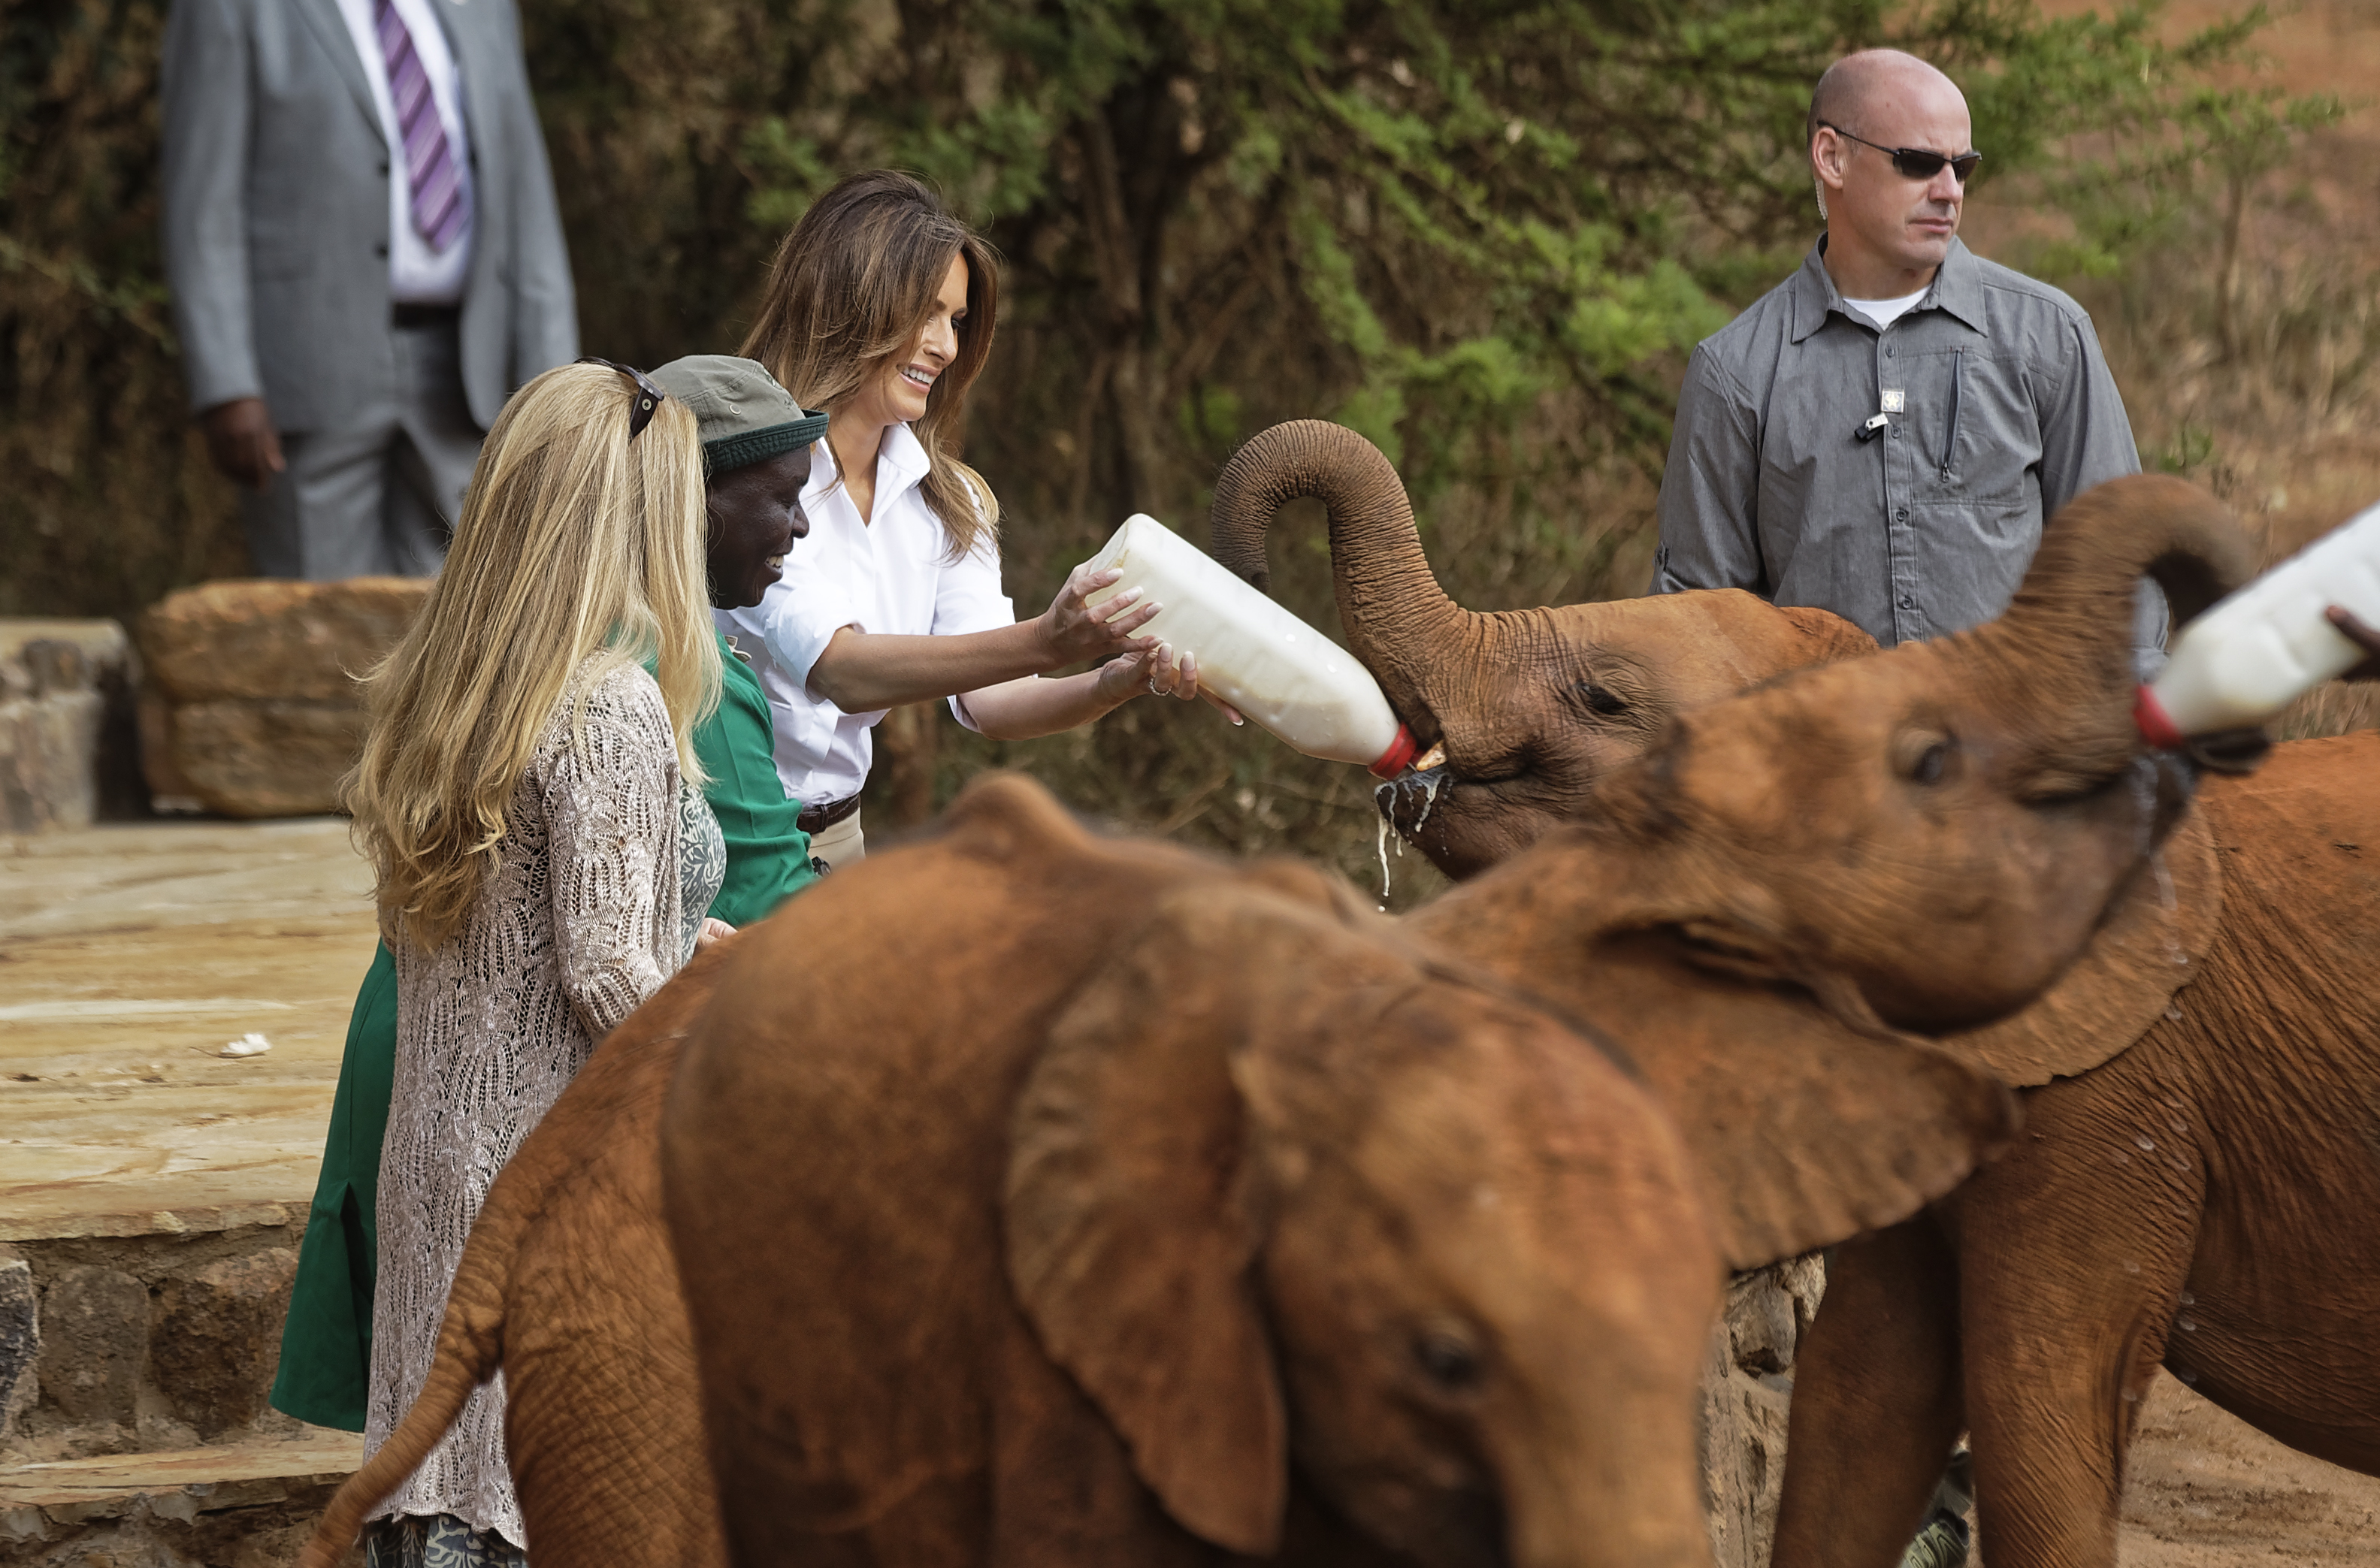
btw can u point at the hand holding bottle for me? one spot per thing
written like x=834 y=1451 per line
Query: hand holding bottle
x=1160 y=671
x=1074 y=628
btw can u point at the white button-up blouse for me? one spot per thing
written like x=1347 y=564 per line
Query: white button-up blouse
x=890 y=575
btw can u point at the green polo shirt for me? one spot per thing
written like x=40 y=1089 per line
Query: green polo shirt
x=326 y=1341
x=768 y=854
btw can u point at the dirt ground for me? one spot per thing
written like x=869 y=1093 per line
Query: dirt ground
x=2207 y=1490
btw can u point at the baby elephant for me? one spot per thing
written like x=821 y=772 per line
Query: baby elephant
x=1093 y=1203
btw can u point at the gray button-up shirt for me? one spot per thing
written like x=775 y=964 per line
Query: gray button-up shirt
x=1998 y=409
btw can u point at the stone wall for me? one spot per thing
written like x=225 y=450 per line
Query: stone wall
x=250 y=707
x=160 y=1349
x=121 y=1344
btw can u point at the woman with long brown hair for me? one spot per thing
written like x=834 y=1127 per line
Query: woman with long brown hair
x=880 y=311
x=528 y=796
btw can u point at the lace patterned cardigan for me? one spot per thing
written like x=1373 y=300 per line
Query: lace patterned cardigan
x=584 y=917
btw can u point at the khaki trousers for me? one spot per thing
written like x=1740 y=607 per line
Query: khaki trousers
x=843 y=844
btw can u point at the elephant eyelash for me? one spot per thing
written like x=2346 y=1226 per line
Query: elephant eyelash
x=1600 y=699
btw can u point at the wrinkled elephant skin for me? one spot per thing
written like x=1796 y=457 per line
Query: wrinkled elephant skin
x=2202 y=1201
x=2186 y=1187
x=1941 y=828
x=1126 y=1207
x=1533 y=706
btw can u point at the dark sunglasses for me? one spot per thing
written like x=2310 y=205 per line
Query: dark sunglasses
x=1915 y=162
x=649 y=396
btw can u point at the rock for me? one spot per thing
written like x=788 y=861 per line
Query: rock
x=20 y=1340
x=1743 y=1458
x=254 y=759
x=216 y=1340
x=94 y=1327
x=1760 y=1326
x=67 y=747
x=250 y=707
x=1747 y=1392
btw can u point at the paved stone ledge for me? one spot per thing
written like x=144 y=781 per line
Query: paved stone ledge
x=231 y=1475
x=153 y=1222
x=128 y=956
x=238 y=1504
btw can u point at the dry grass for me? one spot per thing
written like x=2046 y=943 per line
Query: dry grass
x=2261 y=381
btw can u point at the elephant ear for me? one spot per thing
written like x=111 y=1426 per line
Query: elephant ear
x=1131 y=1209
x=1808 y=1129
x=1825 y=635
x=2147 y=949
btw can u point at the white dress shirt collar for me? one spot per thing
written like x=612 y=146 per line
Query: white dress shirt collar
x=901 y=466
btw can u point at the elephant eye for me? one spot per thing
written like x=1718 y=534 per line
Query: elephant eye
x=1601 y=699
x=1924 y=756
x=1448 y=1357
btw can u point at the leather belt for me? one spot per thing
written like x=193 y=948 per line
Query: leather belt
x=816 y=819
x=417 y=315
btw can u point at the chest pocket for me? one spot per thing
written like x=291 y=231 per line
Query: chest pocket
x=1973 y=435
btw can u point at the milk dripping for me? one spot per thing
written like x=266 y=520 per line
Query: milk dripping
x=1275 y=668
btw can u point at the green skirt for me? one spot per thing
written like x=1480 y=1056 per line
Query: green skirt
x=326 y=1342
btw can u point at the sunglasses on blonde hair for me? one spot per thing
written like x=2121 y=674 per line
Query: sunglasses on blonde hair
x=649 y=396
x=1914 y=162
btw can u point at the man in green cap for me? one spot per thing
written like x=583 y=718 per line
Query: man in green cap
x=755 y=458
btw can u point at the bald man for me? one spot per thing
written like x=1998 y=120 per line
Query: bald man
x=1882 y=434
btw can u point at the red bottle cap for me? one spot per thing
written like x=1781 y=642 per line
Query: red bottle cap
x=2149 y=716
x=1402 y=750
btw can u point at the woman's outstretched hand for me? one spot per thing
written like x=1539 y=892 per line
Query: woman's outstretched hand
x=1074 y=628
x=712 y=930
x=1158 y=672
x=2362 y=636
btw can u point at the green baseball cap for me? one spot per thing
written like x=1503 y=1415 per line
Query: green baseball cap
x=744 y=416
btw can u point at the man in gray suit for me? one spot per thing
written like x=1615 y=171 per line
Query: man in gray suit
x=366 y=260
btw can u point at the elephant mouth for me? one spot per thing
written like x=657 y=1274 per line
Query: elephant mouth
x=1465 y=823
x=1406 y=801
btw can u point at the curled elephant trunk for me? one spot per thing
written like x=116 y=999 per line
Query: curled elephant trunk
x=2063 y=654
x=1398 y=621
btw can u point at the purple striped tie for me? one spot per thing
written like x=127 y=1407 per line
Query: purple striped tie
x=437 y=185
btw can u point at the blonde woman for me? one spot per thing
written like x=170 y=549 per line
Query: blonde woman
x=526 y=795
x=879 y=310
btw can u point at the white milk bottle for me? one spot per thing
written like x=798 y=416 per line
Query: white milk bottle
x=1254 y=653
x=2262 y=648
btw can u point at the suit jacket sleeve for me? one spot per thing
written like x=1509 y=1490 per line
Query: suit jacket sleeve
x=545 y=321
x=206 y=89
x=1710 y=486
